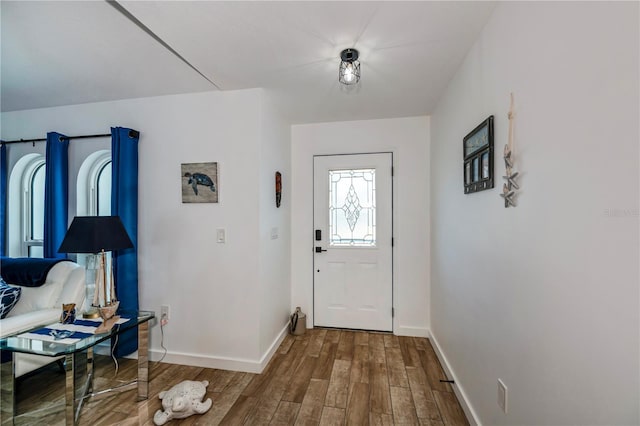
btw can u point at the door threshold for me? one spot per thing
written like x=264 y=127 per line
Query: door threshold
x=322 y=327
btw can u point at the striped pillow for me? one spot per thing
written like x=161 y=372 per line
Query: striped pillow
x=9 y=296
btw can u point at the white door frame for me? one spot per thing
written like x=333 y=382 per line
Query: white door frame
x=312 y=230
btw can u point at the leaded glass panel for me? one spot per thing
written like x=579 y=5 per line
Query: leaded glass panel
x=352 y=208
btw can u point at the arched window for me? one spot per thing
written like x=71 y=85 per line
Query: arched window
x=35 y=219
x=94 y=185
x=94 y=191
x=25 y=216
x=26 y=207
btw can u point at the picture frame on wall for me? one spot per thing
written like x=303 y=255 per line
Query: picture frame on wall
x=477 y=148
x=199 y=182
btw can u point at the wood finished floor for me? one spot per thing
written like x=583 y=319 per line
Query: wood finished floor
x=326 y=377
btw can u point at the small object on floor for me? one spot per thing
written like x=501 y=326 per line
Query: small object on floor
x=298 y=322
x=182 y=401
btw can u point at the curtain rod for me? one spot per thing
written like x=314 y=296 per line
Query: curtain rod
x=132 y=133
x=63 y=138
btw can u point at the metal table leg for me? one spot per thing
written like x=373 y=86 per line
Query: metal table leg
x=142 y=382
x=143 y=361
x=7 y=394
x=79 y=379
x=70 y=389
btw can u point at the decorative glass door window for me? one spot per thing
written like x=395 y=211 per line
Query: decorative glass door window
x=352 y=208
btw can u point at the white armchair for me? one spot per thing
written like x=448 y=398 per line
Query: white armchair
x=42 y=305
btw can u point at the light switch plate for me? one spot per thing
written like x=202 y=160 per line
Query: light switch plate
x=221 y=236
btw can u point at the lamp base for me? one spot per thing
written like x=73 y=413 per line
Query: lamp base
x=91 y=313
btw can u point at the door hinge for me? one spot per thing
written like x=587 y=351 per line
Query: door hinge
x=392 y=242
x=391 y=171
x=393 y=312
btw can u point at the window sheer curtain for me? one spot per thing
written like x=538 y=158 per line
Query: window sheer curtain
x=124 y=203
x=56 y=194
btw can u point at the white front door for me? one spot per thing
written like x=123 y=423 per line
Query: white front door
x=352 y=286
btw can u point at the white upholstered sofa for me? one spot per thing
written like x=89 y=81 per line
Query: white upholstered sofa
x=65 y=283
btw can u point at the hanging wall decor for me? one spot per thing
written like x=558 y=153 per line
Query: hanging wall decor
x=477 y=149
x=200 y=182
x=278 y=189
x=509 y=187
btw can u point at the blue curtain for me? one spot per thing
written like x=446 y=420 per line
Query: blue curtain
x=56 y=194
x=3 y=199
x=124 y=203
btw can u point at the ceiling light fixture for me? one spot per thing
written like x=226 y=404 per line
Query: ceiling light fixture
x=349 y=67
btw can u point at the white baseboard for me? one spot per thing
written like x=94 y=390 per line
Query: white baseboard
x=104 y=348
x=273 y=348
x=219 y=362
x=404 y=330
x=472 y=417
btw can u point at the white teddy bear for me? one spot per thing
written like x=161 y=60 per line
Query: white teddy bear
x=183 y=400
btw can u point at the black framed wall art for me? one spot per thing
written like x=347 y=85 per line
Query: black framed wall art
x=477 y=148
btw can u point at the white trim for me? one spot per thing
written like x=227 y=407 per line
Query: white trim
x=220 y=362
x=472 y=417
x=273 y=348
x=405 y=330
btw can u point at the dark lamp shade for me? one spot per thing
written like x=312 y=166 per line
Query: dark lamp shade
x=92 y=234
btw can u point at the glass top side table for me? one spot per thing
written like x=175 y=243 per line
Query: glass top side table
x=78 y=364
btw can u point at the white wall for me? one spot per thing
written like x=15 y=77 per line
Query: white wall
x=408 y=139
x=275 y=290
x=544 y=295
x=213 y=289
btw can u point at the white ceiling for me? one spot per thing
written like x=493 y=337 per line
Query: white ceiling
x=60 y=53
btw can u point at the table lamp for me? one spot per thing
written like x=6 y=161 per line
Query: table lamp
x=96 y=235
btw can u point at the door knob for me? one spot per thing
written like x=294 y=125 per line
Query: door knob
x=319 y=250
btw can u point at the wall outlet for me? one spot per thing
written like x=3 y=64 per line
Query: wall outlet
x=502 y=395
x=164 y=314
